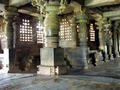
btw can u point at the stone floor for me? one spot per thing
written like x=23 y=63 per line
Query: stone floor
x=103 y=77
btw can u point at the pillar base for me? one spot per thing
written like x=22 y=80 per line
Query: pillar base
x=52 y=61
x=51 y=70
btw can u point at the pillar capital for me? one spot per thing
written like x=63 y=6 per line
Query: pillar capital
x=53 y=7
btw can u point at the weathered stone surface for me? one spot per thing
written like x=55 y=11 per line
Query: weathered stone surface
x=52 y=56
x=52 y=70
x=67 y=44
x=52 y=61
x=96 y=3
x=76 y=57
x=100 y=78
x=111 y=13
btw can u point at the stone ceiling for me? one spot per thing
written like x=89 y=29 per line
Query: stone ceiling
x=93 y=6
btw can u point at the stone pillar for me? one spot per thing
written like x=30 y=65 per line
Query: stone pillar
x=82 y=20
x=52 y=57
x=102 y=47
x=9 y=15
x=102 y=44
x=51 y=26
x=115 y=45
x=108 y=39
x=15 y=24
x=119 y=40
x=109 y=44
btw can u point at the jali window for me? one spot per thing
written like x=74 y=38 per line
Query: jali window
x=92 y=32
x=65 y=29
x=39 y=33
x=26 y=33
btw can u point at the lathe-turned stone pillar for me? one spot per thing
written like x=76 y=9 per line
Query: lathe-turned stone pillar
x=108 y=39
x=83 y=49
x=52 y=57
x=119 y=40
x=115 y=45
x=9 y=15
x=51 y=29
x=102 y=46
x=110 y=42
x=15 y=25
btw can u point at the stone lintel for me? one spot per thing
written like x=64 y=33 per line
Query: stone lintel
x=96 y=3
x=115 y=18
x=111 y=13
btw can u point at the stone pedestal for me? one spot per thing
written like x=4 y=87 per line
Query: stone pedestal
x=52 y=61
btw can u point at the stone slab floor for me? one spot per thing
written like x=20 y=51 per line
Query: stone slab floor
x=102 y=77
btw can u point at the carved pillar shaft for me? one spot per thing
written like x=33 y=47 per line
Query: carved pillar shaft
x=9 y=16
x=51 y=30
x=102 y=44
x=119 y=41
x=115 y=46
x=108 y=37
x=83 y=39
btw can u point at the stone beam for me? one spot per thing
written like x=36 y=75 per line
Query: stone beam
x=111 y=13
x=28 y=12
x=18 y=3
x=115 y=18
x=96 y=3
